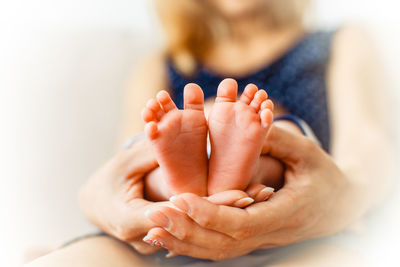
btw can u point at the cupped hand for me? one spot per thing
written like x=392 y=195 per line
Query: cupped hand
x=316 y=200
x=113 y=198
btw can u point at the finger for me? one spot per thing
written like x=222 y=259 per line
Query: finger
x=227 y=220
x=135 y=224
x=137 y=159
x=275 y=213
x=233 y=198
x=178 y=247
x=143 y=247
x=185 y=229
x=259 y=192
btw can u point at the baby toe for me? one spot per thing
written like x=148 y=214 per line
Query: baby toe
x=227 y=91
x=267 y=117
x=148 y=115
x=151 y=130
x=193 y=97
x=259 y=97
x=155 y=107
x=267 y=104
x=165 y=101
x=248 y=94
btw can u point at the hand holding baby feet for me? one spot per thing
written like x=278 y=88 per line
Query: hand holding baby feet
x=237 y=131
x=179 y=140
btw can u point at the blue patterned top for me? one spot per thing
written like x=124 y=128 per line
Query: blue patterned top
x=296 y=81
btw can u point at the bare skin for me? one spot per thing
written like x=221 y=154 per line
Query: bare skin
x=234 y=127
x=254 y=45
x=179 y=140
x=115 y=253
x=237 y=130
x=96 y=251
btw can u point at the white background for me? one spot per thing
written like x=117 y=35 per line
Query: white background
x=63 y=67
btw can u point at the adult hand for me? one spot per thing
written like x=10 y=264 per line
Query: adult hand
x=316 y=200
x=112 y=199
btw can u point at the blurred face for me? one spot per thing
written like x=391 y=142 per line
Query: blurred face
x=237 y=8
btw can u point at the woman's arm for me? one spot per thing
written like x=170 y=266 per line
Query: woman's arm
x=356 y=93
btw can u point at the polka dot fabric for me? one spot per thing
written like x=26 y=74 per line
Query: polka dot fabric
x=297 y=81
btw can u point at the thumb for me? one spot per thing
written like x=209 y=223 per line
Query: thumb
x=288 y=147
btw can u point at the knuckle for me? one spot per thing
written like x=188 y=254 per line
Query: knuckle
x=122 y=234
x=241 y=234
x=185 y=235
x=205 y=221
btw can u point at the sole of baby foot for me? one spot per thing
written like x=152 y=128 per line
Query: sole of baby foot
x=237 y=131
x=179 y=140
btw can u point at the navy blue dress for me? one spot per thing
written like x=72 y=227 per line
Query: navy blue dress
x=296 y=81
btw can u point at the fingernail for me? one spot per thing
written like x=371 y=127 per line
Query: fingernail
x=265 y=194
x=268 y=190
x=244 y=202
x=180 y=204
x=157 y=217
x=170 y=254
x=153 y=241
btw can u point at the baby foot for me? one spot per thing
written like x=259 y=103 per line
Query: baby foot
x=237 y=131
x=179 y=139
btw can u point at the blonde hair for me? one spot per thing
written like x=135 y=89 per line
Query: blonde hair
x=192 y=27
